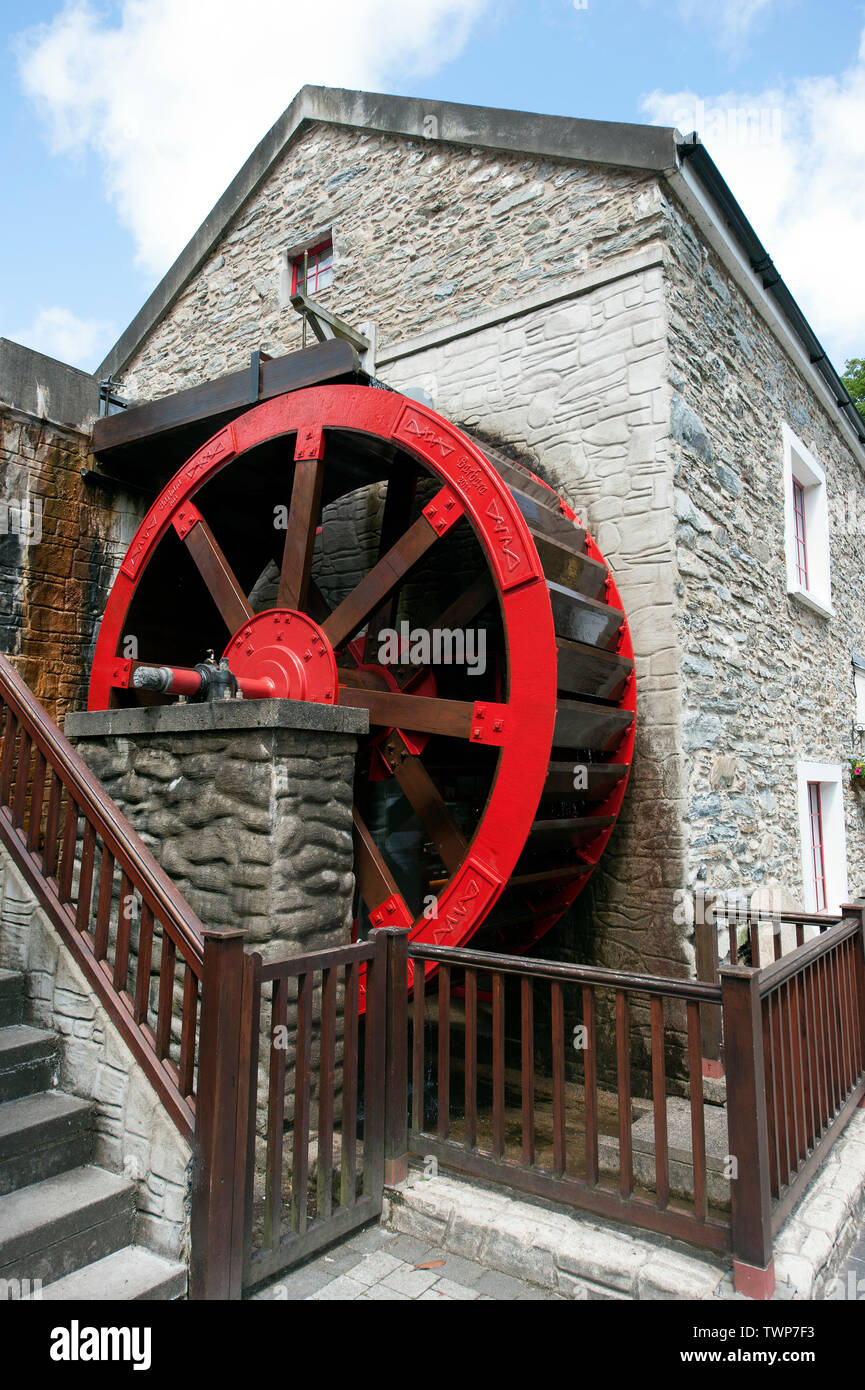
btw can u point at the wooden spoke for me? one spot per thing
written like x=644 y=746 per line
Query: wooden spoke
x=426 y=801
x=218 y=576
x=398 y=503
x=374 y=588
x=300 y=534
x=375 y=881
x=421 y=714
x=317 y=605
x=460 y=613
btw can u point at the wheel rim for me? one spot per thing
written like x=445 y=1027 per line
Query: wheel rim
x=516 y=730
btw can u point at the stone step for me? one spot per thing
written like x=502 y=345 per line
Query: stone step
x=28 y=1060
x=11 y=997
x=129 y=1274
x=42 y=1135
x=57 y=1226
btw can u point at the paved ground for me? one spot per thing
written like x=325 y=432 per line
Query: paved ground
x=852 y=1276
x=378 y=1264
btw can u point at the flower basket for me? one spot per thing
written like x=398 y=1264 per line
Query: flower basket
x=857 y=776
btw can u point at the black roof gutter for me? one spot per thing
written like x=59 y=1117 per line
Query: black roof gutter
x=698 y=158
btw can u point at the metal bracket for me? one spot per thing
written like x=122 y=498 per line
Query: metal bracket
x=490 y=723
x=255 y=360
x=326 y=325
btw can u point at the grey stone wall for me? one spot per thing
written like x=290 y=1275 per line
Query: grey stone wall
x=132 y=1133
x=766 y=681
x=424 y=233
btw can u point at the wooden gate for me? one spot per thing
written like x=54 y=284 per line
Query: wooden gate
x=315 y=1148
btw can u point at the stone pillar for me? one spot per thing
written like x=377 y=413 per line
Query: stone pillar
x=247 y=806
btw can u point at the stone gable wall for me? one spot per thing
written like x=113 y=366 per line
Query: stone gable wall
x=424 y=234
x=766 y=681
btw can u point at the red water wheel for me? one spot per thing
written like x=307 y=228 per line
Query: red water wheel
x=336 y=545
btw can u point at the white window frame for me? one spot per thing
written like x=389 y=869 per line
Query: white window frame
x=859 y=687
x=801 y=465
x=831 y=778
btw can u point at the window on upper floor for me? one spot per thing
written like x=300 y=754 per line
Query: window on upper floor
x=312 y=270
x=806 y=510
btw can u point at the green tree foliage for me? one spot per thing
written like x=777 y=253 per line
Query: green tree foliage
x=853 y=378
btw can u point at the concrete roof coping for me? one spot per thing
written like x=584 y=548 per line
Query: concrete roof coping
x=46 y=388
x=219 y=716
x=652 y=148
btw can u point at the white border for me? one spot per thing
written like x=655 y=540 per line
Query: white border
x=818 y=595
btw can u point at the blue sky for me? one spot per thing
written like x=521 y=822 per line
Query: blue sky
x=122 y=123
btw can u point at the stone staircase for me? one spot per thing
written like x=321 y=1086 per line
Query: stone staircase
x=63 y=1221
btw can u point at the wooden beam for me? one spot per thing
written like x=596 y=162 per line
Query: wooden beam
x=218 y=575
x=426 y=801
x=417 y=713
x=226 y=396
x=300 y=534
x=391 y=569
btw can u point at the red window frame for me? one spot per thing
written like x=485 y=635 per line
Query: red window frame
x=315 y=271
x=818 y=860
x=801 y=544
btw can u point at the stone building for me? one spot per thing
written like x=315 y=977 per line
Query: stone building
x=591 y=295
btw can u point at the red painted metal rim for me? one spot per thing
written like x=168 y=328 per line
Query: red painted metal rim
x=526 y=739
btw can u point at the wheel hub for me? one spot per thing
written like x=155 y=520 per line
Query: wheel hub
x=288 y=652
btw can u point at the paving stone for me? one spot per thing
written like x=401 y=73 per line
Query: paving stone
x=498 y=1285
x=299 y=1285
x=339 y=1260
x=533 y=1294
x=381 y=1293
x=449 y=1289
x=373 y=1238
x=412 y=1282
x=410 y=1249
x=430 y=1294
x=455 y=1268
x=373 y=1267
x=340 y=1288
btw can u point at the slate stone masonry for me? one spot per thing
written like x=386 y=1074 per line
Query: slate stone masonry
x=245 y=804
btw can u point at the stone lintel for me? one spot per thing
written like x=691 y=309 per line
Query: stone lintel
x=215 y=717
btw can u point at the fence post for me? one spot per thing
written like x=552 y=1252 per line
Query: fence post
x=396 y=1058
x=216 y=1227
x=706 y=950
x=858 y=910
x=753 y=1265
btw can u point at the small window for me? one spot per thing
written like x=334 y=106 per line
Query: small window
x=859 y=687
x=807 y=526
x=801 y=547
x=313 y=270
x=818 y=861
x=822 y=835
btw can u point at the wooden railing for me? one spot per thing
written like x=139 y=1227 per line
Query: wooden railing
x=136 y=939
x=741 y=935
x=499 y=1091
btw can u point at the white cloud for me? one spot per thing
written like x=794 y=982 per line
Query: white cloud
x=729 y=21
x=59 y=333
x=794 y=157
x=173 y=95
